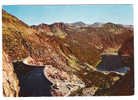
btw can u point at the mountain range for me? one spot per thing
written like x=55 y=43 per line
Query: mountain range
x=73 y=50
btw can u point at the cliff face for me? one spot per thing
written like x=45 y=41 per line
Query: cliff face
x=10 y=81
x=70 y=54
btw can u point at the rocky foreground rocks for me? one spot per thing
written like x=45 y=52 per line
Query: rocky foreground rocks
x=10 y=81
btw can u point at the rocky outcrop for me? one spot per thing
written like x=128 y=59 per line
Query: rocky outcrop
x=56 y=29
x=10 y=81
x=63 y=83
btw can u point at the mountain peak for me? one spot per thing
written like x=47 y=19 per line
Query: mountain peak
x=96 y=24
x=79 y=23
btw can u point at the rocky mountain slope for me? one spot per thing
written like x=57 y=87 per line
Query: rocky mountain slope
x=70 y=54
x=10 y=81
x=107 y=38
x=127 y=48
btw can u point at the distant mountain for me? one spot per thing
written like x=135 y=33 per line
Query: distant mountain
x=82 y=24
x=96 y=24
x=128 y=26
x=78 y=24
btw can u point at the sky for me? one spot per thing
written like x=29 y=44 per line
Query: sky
x=89 y=14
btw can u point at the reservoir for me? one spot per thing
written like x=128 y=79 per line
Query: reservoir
x=33 y=82
x=112 y=63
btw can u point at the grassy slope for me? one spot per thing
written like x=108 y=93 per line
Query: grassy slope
x=13 y=32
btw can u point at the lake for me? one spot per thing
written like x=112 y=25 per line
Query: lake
x=32 y=80
x=112 y=63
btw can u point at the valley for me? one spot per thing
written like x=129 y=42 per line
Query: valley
x=66 y=59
